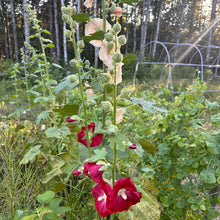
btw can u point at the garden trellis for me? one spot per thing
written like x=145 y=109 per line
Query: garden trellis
x=191 y=56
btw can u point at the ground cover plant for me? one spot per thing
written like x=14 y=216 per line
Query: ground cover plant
x=83 y=149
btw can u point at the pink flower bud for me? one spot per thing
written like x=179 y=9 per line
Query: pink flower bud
x=133 y=146
x=118 y=11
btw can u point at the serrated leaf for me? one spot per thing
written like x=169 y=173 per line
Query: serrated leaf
x=83 y=17
x=129 y=2
x=54 y=172
x=68 y=110
x=100 y=154
x=57 y=65
x=55 y=202
x=42 y=116
x=46 y=196
x=30 y=155
x=208 y=176
x=127 y=58
x=62 y=209
x=98 y=35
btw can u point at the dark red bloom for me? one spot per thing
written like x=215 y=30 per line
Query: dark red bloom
x=124 y=195
x=93 y=170
x=133 y=146
x=69 y=119
x=76 y=172
x=96 y=140
x=101 y=191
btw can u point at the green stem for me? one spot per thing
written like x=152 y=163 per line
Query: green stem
x=82 y=95
x=26 y=81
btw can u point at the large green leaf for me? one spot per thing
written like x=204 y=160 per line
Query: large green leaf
x=46 y=196
x=42 y=116
x=30 y=155
x=127 y=58
x=68 y=110
x=215 y=119
x=208 y=176
x=83 y=17
x=98 y=35
x=57 y=132
x=99 y=155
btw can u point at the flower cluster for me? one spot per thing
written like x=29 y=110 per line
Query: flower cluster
x=110 y=200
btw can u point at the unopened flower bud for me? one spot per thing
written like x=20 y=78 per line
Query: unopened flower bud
x=74 y=25
x=64 y=9
x=122 y=40
x=113 y=7
x=117 y=58
x=67 y=34
x=117 y=12
x=65 y=18
x=72 y=78
x=110 y=46
x=112 y=129
x=116 y=28
x=106 y=4
x=106 y=106
x=91 y=103
x=87 y=63
x=109 y=37
x=80 y=44
x=73 y=63
x=73 y=12
x=105 y=77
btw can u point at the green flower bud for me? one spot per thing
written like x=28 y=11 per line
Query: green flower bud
x=112 y=129
x=65 y=18
x=73 y=63
x=64 y=9
x=110 y=46
x=67 y=34
x=113 y=7
x=72 y=78
x=105 y=77
x=91 y=103
x=116 y=28
x=106 y=5
x=109 y=37
x=122 y=40
x=80 y=44
x=87 y=63
x=74 y=25
x=106 y=106
x=117 y=58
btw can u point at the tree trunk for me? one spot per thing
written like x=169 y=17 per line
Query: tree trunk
x=14 y=30
x=96 y=48
x=56 y=30
x=135 y=29
x=146 y=12
x=180 y=27
x=64 y=39
x=158 y=28
x=214 y=3
x=5 y=30
x=192 y=20
x=26 y=30
x=77 y=30
x=50 y=5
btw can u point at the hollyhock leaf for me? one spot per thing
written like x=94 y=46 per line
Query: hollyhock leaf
x=98 y=35
x=31 y=155
x=129 y=2
x=68 y=110
x=42 y=116
x=127 y=58
x=100 y=155
x=148 y=171
x=83 y=17
x=46 y=196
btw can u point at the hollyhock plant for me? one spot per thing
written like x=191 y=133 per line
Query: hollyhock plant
x=96 y=140
x=88 y=3
x=76 y=173
x=123 y=195
x=94 y=25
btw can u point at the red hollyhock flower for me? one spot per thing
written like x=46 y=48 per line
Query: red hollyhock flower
x=69 y=119
x=101 y=191
x=96 y=140
x=76 y=172
x=133 y=146
x=123 y=195
x=93 y=170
